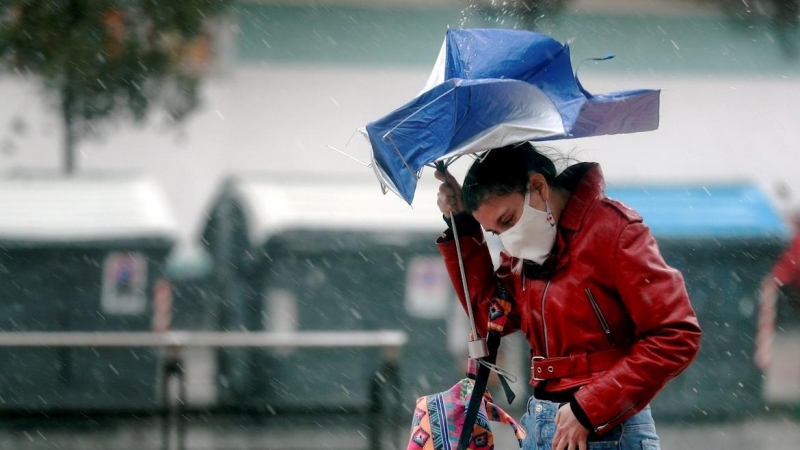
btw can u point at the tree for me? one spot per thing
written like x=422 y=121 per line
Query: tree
x=110 y=59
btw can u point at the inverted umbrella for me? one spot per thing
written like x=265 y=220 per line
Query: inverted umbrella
x=494 y=87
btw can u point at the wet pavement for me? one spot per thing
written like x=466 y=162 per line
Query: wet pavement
x=775 y=431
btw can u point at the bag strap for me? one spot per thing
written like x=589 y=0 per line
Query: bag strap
x=500 y=307
x=481 y=378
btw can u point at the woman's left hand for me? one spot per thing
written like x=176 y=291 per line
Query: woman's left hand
x=570 y=434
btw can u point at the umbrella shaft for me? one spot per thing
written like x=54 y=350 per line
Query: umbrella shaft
x=467 y=298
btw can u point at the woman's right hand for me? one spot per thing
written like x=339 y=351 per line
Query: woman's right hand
x=449 y=196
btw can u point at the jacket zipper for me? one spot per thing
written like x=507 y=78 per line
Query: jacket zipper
x=600 y=317
x=603 y=426
x=544 y=321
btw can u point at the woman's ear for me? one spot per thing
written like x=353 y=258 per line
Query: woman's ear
x=539 y=185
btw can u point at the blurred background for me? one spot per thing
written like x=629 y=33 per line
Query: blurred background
x=178 y=166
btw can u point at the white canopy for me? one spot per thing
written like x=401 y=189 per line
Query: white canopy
x=274 y=205
x=83 y=208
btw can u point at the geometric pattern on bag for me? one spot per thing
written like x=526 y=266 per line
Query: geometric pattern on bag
x=439 y=418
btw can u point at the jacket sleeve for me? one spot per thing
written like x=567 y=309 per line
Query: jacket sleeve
x=482 y=279
x=667 y=334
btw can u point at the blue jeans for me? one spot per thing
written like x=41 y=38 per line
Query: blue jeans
x=636 y=433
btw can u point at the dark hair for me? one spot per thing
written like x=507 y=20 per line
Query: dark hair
x=503 y=171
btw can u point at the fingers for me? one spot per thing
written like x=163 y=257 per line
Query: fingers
x=447 y=178
x=449 y=196
x=562 y=443
x=447 y=201
x=569 y=434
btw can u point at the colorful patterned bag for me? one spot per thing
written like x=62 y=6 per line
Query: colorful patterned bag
x=439 y=418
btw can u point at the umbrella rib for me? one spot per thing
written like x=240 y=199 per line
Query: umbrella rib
x=388 y=134
x=345 y=154
x=447 y=162
x=399 y=155
x=415 y=112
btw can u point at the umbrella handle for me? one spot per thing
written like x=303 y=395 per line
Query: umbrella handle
x=476 y=346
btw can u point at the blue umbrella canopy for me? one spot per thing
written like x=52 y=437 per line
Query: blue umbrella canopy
x=494 y=87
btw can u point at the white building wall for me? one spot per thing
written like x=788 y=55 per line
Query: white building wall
x=280 y=118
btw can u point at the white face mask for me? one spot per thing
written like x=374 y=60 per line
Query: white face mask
x=534 y=234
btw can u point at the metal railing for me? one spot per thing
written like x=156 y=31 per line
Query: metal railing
x=173 y=380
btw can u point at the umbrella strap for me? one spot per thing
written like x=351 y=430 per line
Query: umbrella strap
x=478 y=390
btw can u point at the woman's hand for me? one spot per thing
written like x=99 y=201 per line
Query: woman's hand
x=570 y=434
x=449 y=197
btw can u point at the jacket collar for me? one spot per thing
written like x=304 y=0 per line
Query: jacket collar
x=586 y=182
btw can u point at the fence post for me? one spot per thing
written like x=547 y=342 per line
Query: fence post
x=385 y=405
x=375 y=409
x=173 y=395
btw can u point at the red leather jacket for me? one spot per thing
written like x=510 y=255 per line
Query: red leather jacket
x=609 y=288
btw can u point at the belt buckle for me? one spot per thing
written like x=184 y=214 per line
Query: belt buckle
x=534 y=368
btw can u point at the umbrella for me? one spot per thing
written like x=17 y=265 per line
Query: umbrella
x=494 y=87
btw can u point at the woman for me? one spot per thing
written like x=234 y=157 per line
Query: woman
x=608 y=322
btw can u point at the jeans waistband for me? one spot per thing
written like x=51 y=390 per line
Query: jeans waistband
x=546 y=410
x=543 y=409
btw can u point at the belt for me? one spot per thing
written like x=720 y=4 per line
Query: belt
x=582 y=363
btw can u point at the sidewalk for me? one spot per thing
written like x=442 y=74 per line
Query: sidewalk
x=773 y=432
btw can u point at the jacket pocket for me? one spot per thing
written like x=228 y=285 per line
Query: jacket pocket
x=600 y=317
